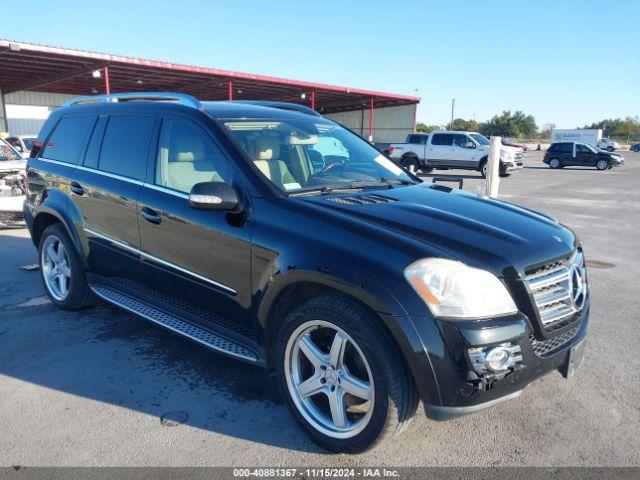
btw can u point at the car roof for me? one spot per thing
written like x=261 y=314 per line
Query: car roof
x=234 y=109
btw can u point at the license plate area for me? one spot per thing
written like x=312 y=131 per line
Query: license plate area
x=574 y=361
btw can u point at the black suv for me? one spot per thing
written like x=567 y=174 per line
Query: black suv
x=273 y=235
x=563 y=154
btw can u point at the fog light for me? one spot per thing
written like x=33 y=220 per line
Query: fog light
x=496 y=359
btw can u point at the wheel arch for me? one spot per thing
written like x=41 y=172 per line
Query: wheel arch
x=298 y=287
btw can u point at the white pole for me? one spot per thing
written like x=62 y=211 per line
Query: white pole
x=493 y=168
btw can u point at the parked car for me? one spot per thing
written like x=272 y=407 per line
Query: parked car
x=453 y=149
x=10 y=159
x=22 y=143
x=635 y=147
x=365 y=289
x=564 y=154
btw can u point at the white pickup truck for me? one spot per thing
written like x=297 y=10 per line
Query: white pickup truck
x=446 y=150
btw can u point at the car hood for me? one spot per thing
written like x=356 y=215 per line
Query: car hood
x=13 y=165
x=494 y=235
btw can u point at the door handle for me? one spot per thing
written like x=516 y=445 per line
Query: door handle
x=76 y=189
x=151 y=215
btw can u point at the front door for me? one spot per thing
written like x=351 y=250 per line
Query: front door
x=194 y=258
x=585 y=156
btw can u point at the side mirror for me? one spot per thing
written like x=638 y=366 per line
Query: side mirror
x=470 y=144
x=213 y=196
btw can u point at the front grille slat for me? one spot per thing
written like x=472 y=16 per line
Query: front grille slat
x=552 y=289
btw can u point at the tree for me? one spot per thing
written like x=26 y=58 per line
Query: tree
x=616 y=127
x=422 y=128
x=465 y=125
x=516 y=125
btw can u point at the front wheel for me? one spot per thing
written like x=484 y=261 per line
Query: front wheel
x=610 y=149
x=342 y=376
x=602 y=165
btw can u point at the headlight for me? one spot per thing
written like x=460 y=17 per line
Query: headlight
x=454 y=290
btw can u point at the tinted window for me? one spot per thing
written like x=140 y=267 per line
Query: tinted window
x=186 y=156
x=66 y=142
x=441 y=139
x=419 y=139
x=583 y=149
x=124 y=146
x=565 y=148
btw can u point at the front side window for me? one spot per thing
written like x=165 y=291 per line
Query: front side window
x=298 y=155
x=125 y=145
x=186 y=156
x=66 y=142
x=460 y=141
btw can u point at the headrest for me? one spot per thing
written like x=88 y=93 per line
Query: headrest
x=188 y=148
x=266 y=148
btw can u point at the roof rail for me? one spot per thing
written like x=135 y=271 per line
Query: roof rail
x=181 y=98
x=282 y=105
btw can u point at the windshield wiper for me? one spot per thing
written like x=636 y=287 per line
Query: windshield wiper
x=325 y=190
x=383 y=182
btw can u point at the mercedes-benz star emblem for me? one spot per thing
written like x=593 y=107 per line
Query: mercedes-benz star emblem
x=578 y=287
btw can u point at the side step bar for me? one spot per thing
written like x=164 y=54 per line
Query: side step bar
x=175 y=324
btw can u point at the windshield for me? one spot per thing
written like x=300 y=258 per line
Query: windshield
x=301 y=155
x=28 y=142
x=7 y=152
x=481 y=139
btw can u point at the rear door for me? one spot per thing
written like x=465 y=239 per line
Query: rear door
x=196 y=259
x=564 y=151
x=105 y=192
x=439 y=148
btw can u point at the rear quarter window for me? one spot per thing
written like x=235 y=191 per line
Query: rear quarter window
x=125 y=145
x=68 y=139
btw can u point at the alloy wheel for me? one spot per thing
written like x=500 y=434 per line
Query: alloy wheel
x=329 y=379
x=602 y=165
x=55 y=268
x=554 y=163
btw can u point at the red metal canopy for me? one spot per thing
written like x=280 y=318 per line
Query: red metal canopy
x=25 y=66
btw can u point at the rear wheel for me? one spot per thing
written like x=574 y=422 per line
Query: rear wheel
x=342 y=376
x=61 y=271
x=602 y=164
x=555 y=163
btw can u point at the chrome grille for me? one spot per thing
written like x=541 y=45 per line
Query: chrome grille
x=559 y=290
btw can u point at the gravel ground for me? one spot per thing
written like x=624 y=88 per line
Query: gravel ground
x=104 y=388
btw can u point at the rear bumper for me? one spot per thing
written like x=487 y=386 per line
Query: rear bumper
x=460 y=390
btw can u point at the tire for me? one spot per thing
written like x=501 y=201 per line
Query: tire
x=412 y=164
x=602 y=165
x=72 y=293
x=483 y=168
x=381 y=368
x=426 y=169
x=610 y=149
x=555 y=163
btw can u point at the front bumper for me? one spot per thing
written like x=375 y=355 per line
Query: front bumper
x=513 y=166
x=460 y=390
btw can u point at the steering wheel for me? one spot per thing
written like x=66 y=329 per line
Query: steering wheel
x=331 y=166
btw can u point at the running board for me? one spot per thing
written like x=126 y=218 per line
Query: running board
x=175 y=324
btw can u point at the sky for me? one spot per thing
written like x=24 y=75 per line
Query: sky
x=568 y=63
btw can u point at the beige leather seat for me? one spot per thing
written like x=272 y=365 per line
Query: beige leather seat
x=267 y=154
x=188 y=164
